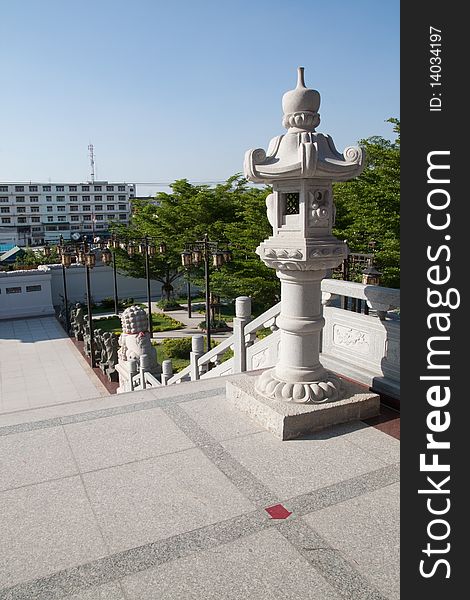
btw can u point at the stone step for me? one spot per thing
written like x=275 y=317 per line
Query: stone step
x=115 y=402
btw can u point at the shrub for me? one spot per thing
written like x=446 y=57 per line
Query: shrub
x=107 y=303
x=217 y=324
x=177 y=347
x=227 y=355
x=168 y=305
x=165 y=323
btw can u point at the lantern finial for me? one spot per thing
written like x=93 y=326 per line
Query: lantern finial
x=301 y=106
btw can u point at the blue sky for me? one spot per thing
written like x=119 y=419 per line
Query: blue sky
x=167 y=90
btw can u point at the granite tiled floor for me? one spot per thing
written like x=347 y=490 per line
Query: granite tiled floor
x=40 y=366
x=162 y=494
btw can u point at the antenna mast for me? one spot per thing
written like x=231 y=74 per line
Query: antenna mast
x=92 y=161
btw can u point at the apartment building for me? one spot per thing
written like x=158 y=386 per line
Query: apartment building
x=34 y=213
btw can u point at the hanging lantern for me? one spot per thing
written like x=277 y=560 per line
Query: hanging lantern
x=66 y=259
x=370 y=276
x=151 y=249
x=227 y=254
x=106 y=256
x=142 y=247
x=90 y=260
x=131 y=249
x=218 y=259
x=186 y=258
x=47 y=250
x=162 y=248
x=197 y=257
x=81 y=256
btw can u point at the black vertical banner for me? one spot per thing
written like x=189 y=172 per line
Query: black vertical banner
x=435 y=235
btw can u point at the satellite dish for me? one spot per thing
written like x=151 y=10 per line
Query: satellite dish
x=75 y=236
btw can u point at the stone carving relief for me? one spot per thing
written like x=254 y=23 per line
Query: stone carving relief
x=318 y=213
x=283 y=253
x=259 y=359
x=320 y=251
x=351 y=338
x=270 y=208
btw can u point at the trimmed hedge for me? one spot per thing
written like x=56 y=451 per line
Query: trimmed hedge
x=177 y=347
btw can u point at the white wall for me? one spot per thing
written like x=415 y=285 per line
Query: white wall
x=25 y=294
x=101 y=280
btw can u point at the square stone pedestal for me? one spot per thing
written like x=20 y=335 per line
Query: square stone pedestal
x=287 y=420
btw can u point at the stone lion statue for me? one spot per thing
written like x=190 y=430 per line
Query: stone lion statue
x=135 y=339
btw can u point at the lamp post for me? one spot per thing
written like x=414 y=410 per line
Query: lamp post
x=66 y=260
x=85 y=256
x=148 y=249
x=186 y=259
x=370 y=276
x=88 y=259
x=202 y=251
x=108 y=256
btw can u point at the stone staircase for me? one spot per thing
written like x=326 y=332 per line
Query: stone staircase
x=363 y=347
x=170 y=492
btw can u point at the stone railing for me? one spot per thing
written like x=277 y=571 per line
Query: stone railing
x=247 y=348
x=365 y=348
x=136 y=376
x=379 y=299
x=362 y=347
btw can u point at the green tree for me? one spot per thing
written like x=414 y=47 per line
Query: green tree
x=368 y=207
x=34 y=258
x=163 y=267
x=233 y=213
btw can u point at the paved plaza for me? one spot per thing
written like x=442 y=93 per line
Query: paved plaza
x=163 y=494
x=40 y=366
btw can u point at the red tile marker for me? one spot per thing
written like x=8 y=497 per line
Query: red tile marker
x=278 y=512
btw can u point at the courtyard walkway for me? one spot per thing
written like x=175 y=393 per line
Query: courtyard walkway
x=40 y=366
x=163 y=494
x=191 y=324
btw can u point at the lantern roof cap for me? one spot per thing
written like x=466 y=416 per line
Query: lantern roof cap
x=302 y=153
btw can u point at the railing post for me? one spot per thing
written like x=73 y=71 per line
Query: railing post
x=167 y=370
x=242 y=317
x=144 y=363
x=197 y=345
x=132 y=372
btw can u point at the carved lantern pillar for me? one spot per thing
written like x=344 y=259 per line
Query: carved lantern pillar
x=301 y=166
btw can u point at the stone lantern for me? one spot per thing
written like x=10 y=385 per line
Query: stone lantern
x=301 y=166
